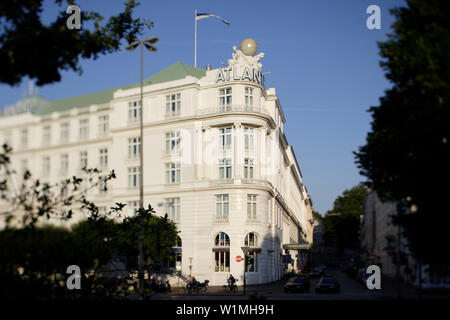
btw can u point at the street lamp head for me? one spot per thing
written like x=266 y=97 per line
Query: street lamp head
x=151 y=40
x=149 y=43
x=132 y=46
x=150 y=47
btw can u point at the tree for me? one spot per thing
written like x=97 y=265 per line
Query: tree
x=406 y=154
x=342 y=224
x=33 y=260
x=34 y=256
x=27 y=201
x=30 y=48
x=159 y=238
x=317 y=215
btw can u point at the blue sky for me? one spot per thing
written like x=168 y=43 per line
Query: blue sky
x=323 y=60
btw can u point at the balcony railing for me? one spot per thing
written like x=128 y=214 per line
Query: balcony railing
x=240 y=181
x=234 y=108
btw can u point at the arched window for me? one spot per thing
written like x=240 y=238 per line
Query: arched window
x=176 y=255
x=222 y=252
x=222 y=240
x=251 y=241
x=178 y=243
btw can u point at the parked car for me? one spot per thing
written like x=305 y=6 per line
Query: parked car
x=362 y=278
x=322 y=267
x=436 y=285
x=317 y=272
x=328 y=284
x=297 y=284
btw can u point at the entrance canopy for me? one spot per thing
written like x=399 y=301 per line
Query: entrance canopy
x=297 y=246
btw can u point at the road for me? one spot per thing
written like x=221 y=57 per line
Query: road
x=350 y=290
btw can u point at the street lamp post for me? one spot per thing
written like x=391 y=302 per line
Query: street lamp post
x=245 y=250
x=148 y=43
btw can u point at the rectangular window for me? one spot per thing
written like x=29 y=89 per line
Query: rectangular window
x=83 y=159
x=8 y=138
x=24 y=138
x=225 y=99
x=173 y=209
x=46 y=135
x=133 y=207
x=225 y=138
x=249 y=98
x=279 y=216
x=222 y=261
x=45 y=166
x=23 y=166
x=64 y=163
x=173 y=140
x=103 y=125
x=134 y=111
x=103 y=158
x=248 y=168
x=103 y=185
x=65 y=132
x=249 y=138
x=134 y=147
x=134 y=176
x=172 y=173
x=251 y=207
x=225 y=169
x=84 y=129
x=252 y=262
x=173 y=104
x=222 y=207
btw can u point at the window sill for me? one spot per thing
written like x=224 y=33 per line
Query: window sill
x=221 y=221
x=134 y=158
x=172 y=153
x=172 y=115
x=133 y=122
x=225 y=181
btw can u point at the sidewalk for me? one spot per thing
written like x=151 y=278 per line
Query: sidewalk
x=252 y=290
x=391 y=290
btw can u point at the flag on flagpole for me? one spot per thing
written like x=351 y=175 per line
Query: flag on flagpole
x=199 y=16
x=209 y=15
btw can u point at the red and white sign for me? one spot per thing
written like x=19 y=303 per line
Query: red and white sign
x=238 y=258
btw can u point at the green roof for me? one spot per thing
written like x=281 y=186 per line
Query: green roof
x=85 y=100
x=176 y=71
x=34 y=104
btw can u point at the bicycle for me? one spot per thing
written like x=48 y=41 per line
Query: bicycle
x=193 y=286
x=231 y=286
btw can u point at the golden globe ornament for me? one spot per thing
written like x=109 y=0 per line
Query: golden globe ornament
x=249 y=47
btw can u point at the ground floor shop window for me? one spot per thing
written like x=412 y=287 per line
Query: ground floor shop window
x=222 y=252
x=252 y=262
x=222 y=261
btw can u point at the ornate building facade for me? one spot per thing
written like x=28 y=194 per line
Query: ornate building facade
x=216 y=160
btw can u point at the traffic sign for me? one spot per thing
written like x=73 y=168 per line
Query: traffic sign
x=238 y=258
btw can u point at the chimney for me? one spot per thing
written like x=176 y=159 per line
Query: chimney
x=30 y=87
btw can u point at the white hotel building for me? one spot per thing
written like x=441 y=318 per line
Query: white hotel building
x=216 y=160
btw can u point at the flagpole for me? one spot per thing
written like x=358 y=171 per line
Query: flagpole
x=195 y=42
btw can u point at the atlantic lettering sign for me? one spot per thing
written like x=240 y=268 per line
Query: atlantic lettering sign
x=233 y=73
